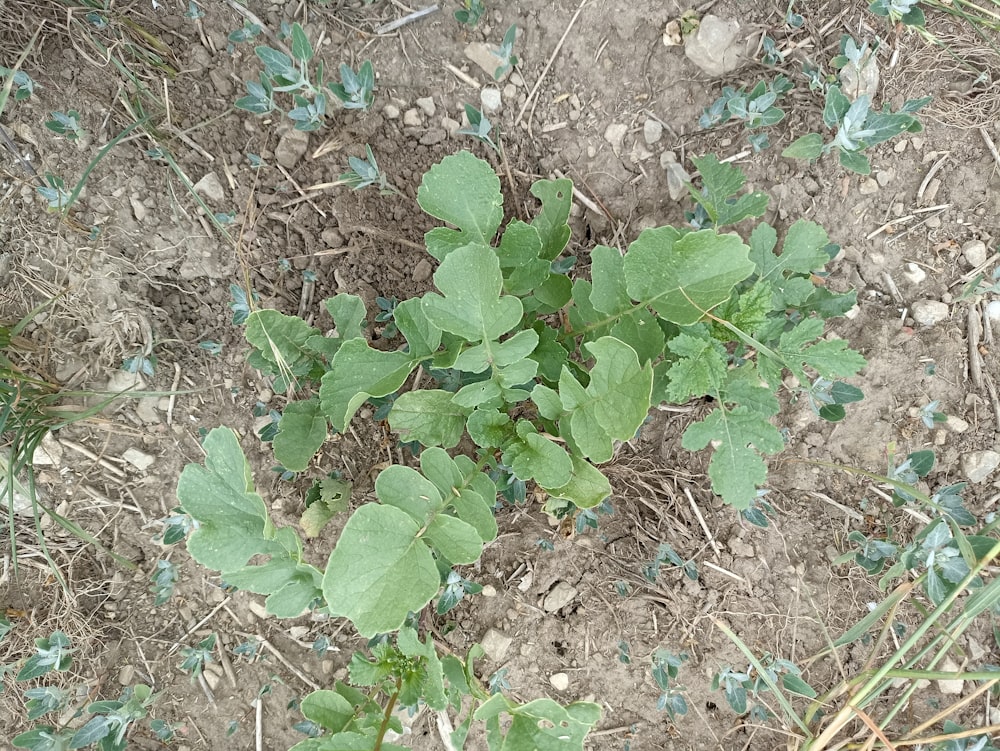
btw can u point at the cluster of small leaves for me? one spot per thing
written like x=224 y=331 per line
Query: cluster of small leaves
x=66 y=124
x=907 y=12
x=858 y=127
x=942 y=550
x=479 y=127
x=963 y=742
x=292 y=74
x=22 y=84
x=106 y=727
x=666 y=665
x=144 y=364
x=470 y=12
x=666 y=554
x=743 y=689
x=54 y=192
x=506 y=53
x=366 y=172
x=164 y=579
x=755 y=109
x=196 y=658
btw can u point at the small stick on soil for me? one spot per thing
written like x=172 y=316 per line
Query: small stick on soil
x=581 y=197
x=298 y=189
x=462 y=76
x=284 y=661
x=893 y=289
x=93 y=457
x=445 y=729
x=198 y=625
x=552 y=57
x=704 y=526
x=990 y=145
x=264 y=27
x=930 y=174
x=725 y=572
x=258 y=735
x=414 y=16
x=173 y=393
x=846 y=509
x=975 y=360
x=204 y=687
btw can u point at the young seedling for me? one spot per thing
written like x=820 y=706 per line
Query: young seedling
x=66 y=124
x=356 y=92
x=366 y=172
x=52 y=653
x=506 y=53
x=906 y=12
x=164 y=578
x=141 y=363
x=470 y=13
x=195 y=658
x=930 y=416
x=756 y=109
x=54 y=192
x=666 y=665
x=479 y=127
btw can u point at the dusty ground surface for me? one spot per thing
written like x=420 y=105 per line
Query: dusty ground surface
x=155 y=279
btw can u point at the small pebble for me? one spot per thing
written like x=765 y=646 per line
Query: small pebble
x=210 y=187
x=615 y=135
x=491 y=99
x=292 y=146
x=391 y=111
x=138 y=459
x=952 y=686
x=868 y=187
x=496 y=644
x=652 y=131
x=126 y=675
x=451 y=127
x=411 y=118
x=882 y=177
x=559 y=681
x=426 y=105
x=913 y=273
x=422 y=271
x=978 y=465
x=929 y=312
x=562 y=594
x=433 y=136
x=975 y=252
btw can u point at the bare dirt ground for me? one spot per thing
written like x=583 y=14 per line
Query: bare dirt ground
x=154 y=278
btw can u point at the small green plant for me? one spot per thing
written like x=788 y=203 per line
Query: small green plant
x=164 y=578
x=195 y=658
x=666 y=666
x=755 y=109
x=930 y=416
x=666 y=554
x=744 y=689
x=284 y=74
x=52 y=653
x=858 y=128
x=248 y=32
x=366 y=172
x=66 y=124
x=54 y=192
x=141 y=363
x=506 y=53
x=470 y=12
x=22 y=84
x=479 y=127
x=906 y=12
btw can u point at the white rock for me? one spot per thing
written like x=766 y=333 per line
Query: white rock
x=978 y=465
x=391 y=111
x=716 y=46
x=913 y=274
x=426 y=105
x=496 y=644
x=484 y=56
x=955 y=424
x=975 y=252
x=993 y=312
x=559 y=681
x=292 y=146
x=615 y=135
x=126 y=675
x=411 y=118
x=138 y=208
x=883 y=177
x=489 y=591
x=122 y=380
x=450 y=126
x=952 y=686
x=147 y=408
x=138 y=459
x=562 y=594
x=491 y=99
x=868 y=187
x=929 y=312
x=210 y=187
x=652 y=131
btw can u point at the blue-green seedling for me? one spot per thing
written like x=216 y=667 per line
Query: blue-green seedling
x=195 y=658
x=212 y=347
x=366 y=172
x=858 y=127
x=44 y=699
x=907 y=12
x=666 y=666
x=470 y=12
x=666 y=554
x=164 y=579
x=479 y=127
x=755 y=109
x=356 y=92
x=54 y=192
x=740 y=687
x=455 y=588
x=52 y=653
x=506 y=53
x=771 y=54
x=249 y=32
x=930 y=416
x=66 y=124
x=111 y=719
x=193 y=12
x=242 y=304
x=23 y=85
x=144 y=364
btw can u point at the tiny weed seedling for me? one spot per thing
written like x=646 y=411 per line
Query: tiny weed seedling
x=66 y=124
x=195 y=658
x=666 y=666
x=470 y=12
x=366 y=172
x=163 y=580
x=506 y=53
x=930 y=416
x=479 y=127
x=906 y=12
x=534 y=397
x=755 y=110
x=357 y=90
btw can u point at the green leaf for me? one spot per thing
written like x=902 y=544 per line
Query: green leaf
x=301 y=49
x=520 y=245
x=609 y=294
x=642 y=333
x=499 y=355
x=328 y=709
x=380 y=570
x=557 y=199
x=408 y=490
x=535 y=456
x=429 y=416
x=464 y=488
x=835 y=108
x=281 y=340
x=736 y=468
x=472 y=306
x=552 y=294
x=348 y=313
x=490 y=428
x=587 y=487
x=291 y=587
x=719 y=183
x=796 y=685
x=700 y=368
x=334 y=497
x=855 y=161
x=301 y=432
x=541 y=724
x=682 y=279
x=357 y=373
x=232 y=520
x=456 y=540
x=788 y=274
x=809 y=146
x=547 y=400
x=422 y=336
x=613 y=405
x=464 y=191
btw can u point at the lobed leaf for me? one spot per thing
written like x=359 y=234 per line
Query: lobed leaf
x=356 y=373
x=281 y=340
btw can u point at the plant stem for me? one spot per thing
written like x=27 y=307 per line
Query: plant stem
x=387 y=716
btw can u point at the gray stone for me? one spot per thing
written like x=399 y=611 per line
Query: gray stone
x=433 y=136
x=332 y=238
x=883 y=177
x=615 y=135
x=868 y=187
x=450 y=126
x=138 y=459
x=491 y=99
x=929 y=312
x=121 y=380
x=292 y=146
x=652 y=131
x=677 y=176
x=484 y=56
x=426 y=105
x=221 y=83
x=210 y=187
x=146 y=408
x=391 y=111
x=913 y=274
x=951 y=686
x=562 y=594
x=411 y=118
x=975 y=252
x=978 y=465
x=955 y=424
x=716 y=47
x=138 y=208
x=559 y=681
x=422 y=271
x=496 y=644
